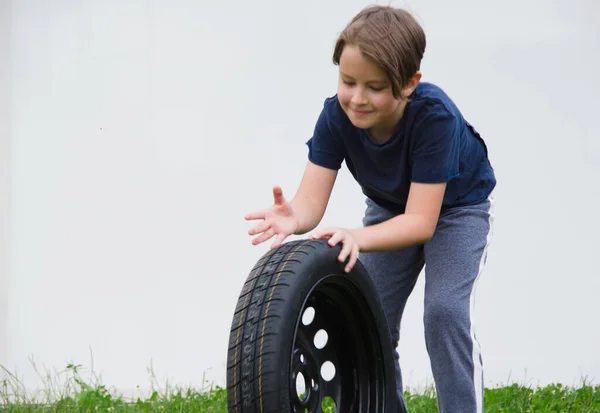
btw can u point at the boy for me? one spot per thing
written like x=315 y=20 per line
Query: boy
x=427 y=180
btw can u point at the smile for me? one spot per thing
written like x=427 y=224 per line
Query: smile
x=360 y=112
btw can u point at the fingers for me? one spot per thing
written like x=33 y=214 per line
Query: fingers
x=255 y=215
x=353 y=258
x=322 y=234
x=279 y=200
x=262 y=227
x=263 y=237
x=278 y=195
x=336 y=237
x=346 y=250
x=349 y=249
x=278 y=241
x=266 y=232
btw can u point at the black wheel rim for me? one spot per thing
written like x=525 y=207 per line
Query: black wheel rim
x=352 y=352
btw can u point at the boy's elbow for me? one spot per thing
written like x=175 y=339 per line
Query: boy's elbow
x=427 y=238
x=428 y=229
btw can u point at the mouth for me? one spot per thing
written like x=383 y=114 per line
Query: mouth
x=361 y=112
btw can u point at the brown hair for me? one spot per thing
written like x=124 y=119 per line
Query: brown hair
x=391 y=37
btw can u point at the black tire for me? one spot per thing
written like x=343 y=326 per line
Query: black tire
x=268 y=336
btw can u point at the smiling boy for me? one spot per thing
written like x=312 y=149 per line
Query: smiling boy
x=428 y=183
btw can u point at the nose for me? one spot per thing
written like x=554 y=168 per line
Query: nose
x=359 y=96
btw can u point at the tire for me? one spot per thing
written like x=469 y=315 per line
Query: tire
x=271 y=350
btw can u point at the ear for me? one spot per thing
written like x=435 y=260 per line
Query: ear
x=412 y=84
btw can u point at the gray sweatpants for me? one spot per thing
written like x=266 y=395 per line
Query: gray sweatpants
x=453 y=260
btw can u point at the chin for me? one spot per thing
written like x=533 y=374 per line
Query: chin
x=361 y=123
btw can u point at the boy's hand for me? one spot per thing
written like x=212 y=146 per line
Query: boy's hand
x=350 y=246
x=279 y=220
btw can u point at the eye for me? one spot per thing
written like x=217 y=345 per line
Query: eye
x=376 y=89
x=347 y=82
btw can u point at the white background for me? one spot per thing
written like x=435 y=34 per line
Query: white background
x=135 y=135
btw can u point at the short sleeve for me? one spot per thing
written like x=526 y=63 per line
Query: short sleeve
x=325 y=147
x=435 y=152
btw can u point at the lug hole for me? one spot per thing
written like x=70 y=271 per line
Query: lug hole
x=301 y=387
x=320 y=339
x=328 y=371
x=308 y=316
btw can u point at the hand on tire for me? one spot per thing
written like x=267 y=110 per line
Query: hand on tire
x=279 y=220
x=349 y=245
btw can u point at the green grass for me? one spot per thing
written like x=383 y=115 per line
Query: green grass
x=76 y=395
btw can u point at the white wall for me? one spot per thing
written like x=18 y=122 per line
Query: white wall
x=5 y=29
x=143 y=131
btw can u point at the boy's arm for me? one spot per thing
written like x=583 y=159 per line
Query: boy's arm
x=312 y=196
x=415 y=226
x=435 y=161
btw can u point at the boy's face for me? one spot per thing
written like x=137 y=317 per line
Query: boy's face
x=365 y=94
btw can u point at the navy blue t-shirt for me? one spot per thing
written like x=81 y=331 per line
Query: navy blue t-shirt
x=431 y=143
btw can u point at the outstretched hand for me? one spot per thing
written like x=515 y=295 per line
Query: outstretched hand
x=350 y=246
x=279 y=220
